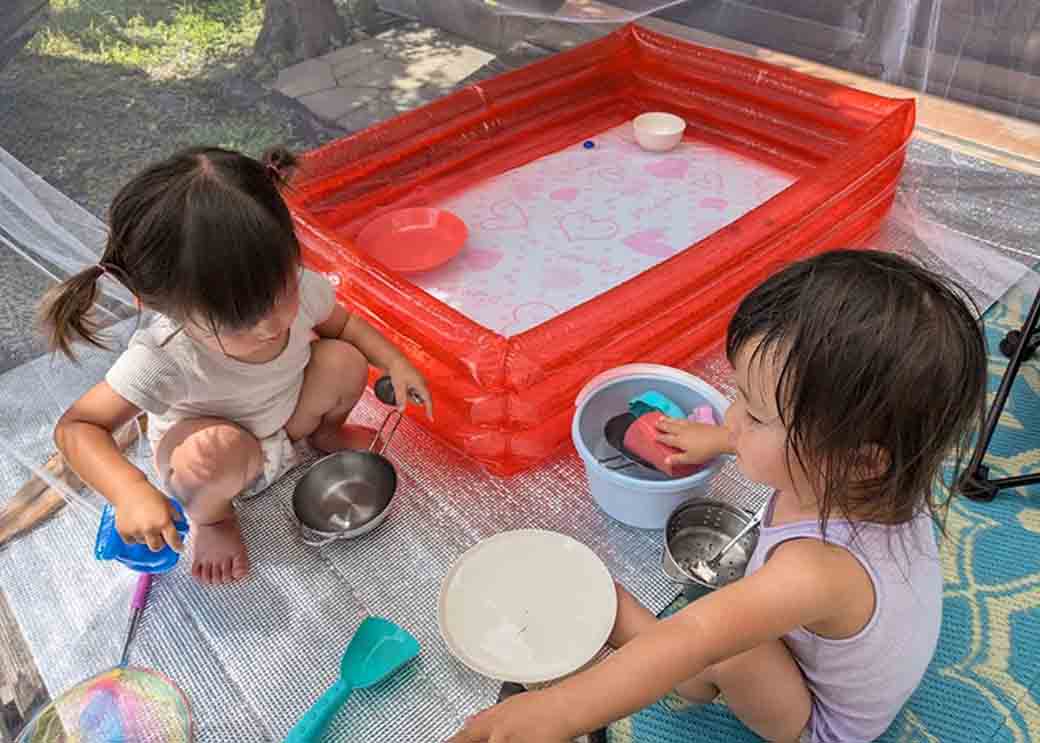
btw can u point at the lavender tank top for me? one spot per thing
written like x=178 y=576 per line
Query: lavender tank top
x=859 y=684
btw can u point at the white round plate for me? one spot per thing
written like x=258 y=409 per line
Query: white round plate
x=527 y=606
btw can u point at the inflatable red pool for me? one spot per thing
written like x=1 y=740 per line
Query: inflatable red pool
x=504 y=390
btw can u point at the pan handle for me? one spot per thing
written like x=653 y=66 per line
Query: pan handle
x=307 y=538
x=384 y=389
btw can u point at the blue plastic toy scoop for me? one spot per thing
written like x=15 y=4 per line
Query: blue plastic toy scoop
x=378 y=649
x=110 y=546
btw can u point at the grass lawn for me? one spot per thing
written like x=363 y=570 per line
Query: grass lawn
x=108 y=85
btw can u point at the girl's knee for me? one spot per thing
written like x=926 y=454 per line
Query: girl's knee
x=726 y=673
x=340 y=361
x=703 y=688
x=212 y=453
x=330 y=352
x=333 y=383
x=714 y=675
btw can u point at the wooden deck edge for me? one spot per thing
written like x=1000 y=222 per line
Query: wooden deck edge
x=1004 y=140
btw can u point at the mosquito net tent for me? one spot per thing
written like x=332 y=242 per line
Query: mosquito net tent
x=252 y=657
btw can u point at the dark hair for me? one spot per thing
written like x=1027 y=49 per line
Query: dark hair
x=204 y=234
x=877 y=356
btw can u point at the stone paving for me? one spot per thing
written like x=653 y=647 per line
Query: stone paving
x=383 y=76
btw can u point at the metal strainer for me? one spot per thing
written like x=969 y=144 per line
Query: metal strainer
x=697 y=530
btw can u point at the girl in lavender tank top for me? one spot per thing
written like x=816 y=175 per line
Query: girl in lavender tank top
x=858 y=373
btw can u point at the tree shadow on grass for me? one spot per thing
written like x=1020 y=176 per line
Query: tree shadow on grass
x=87 y=127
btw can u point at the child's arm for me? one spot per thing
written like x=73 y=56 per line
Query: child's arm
x=408 y=382
x=797 y=586
x=699 y=442
x=84 y=436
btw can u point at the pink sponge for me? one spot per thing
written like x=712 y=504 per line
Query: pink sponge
x=702 y=414
x=641 y=440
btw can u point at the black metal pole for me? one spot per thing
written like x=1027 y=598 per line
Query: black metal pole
x=976 y=483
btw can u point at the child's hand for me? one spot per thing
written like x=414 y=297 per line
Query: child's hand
x=526 y=718
x=697 y=442
x=409 y=385
x=146 y=516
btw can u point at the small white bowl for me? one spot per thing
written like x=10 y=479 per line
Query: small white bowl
x=658 y=131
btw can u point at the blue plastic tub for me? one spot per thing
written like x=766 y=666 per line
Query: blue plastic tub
x=635 y=496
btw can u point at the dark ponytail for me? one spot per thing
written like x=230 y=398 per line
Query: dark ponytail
x=67 y=312
x=280 y=163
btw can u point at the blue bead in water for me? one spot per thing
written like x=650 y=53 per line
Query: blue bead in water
x=589 y=144
x=110 y=546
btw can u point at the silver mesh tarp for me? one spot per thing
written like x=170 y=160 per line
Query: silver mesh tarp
x=253 y=657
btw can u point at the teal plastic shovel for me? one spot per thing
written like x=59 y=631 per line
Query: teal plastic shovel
x=378 y=649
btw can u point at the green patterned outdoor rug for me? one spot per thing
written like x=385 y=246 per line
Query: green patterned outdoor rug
x=984 y=684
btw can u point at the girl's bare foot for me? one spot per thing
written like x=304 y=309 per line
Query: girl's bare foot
x=220 y=553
